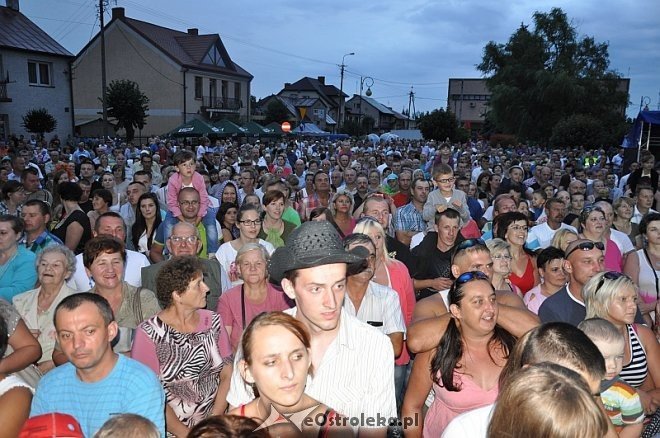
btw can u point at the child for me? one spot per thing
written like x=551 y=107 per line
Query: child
x=621 y=401
x=186 y=176
x=538 y=206
x=445 y=196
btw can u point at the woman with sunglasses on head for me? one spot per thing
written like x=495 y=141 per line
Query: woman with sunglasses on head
x=249 y=225
x=501 y=254
x=613 y=296
x=513 y=228
x=466 y=364
x=593 y=226
x=551 y=270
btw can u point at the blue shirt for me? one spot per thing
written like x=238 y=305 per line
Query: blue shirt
x=130 y=388
x=18 y=275
x=408 y=218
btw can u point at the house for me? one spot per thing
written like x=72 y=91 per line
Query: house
x=185 y=75
x=384 y=118
x=34 y=73
x=314 y=101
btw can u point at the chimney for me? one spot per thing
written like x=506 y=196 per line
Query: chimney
x=193 y=31
x=287 y=84
x=13 y=4
x=321 y=79
x=118 y=13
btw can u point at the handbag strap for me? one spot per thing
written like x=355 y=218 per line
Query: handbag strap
x=243 y=306
x=137 y=306
x=655 y=274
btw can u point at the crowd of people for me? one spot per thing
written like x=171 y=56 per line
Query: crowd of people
x=309 y=287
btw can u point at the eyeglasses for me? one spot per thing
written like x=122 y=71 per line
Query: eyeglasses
x=518 y=228
x=609 y=275
x=445 y=180
x=250 y=223
x=181 y=239
x=466 y=277
x=587 y=246
x=502 y=257
x=188 y=203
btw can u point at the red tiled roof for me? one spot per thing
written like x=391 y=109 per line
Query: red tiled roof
x=19 y=33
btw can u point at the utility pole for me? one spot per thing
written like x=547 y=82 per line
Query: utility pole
x=411 y=103
x=102 y=4
x=341 y=90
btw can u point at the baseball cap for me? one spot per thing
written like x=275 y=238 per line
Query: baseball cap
x=52 y=425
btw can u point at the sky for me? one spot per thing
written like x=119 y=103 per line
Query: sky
x=400 y=44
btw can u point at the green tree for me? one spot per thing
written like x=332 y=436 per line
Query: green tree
x=276 y=112
x=127 y=105
x=39 y=121
x=548 y=74
x=439 y=125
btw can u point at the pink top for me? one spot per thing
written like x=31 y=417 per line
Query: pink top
x=613 y=257
x=402 y=283
x=230 y=309
x=449 y=404
x=534 y=298
x=174 y=185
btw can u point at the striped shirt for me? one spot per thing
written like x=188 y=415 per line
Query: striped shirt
x=635 y=372
x=355 y=377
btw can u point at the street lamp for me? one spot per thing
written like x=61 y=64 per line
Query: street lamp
x=341 y=90
x=370 y=82
x=644 y=103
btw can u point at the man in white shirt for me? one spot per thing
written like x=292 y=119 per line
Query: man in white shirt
x=110 y=224
x=353 y=362
x=644 y=202
x=555 y=211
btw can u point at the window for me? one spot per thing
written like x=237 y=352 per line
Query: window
x=214 y=57
x=225 y=89
x=319 y=113
x=39 y=73
x=198 y=87
x=237 y=91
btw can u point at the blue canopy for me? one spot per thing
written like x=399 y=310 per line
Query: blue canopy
x=644 y=117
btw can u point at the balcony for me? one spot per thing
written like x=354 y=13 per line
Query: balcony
x=221 y=104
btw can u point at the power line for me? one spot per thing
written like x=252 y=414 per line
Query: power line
x=65 y=21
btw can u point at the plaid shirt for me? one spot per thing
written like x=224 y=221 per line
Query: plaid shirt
x=408 y=218
x=310 y=203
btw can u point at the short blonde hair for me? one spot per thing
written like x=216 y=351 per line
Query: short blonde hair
x=599 y=292
x=366 y=225
x=497 y=246
x=559 y=240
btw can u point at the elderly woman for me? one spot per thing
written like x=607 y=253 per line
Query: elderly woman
x=513 y=227
x=186 y=346
x=593 y=227
x=105 y=259
x=249 y=225
x=240 y=304
x=550 y=263
x=613 y=296
x=17 y=273
x=274 y=229
x=73 y=228
x=643 y=266
x=15 y=393
x=342 y=209
x=465 y=366
x=624 y=208
x=55 y=264
x=501 y=255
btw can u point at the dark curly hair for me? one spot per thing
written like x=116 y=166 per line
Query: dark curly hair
x=175 y=276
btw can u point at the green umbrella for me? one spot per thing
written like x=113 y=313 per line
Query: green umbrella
x=225 y=127
x=193 y=128
x=275 y=128
x=256 y=129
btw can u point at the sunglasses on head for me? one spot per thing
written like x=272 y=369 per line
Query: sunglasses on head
x=469 y=243
x=587 y=246
x=609 y=275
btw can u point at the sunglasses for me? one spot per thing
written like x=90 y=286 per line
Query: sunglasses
x=609 y=275
x=469 y=243
x=587 y=246
x=467 y=277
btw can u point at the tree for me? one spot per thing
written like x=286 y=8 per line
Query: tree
x=440 y=124
x=128 y=105
x=276 y=112
x=39 y=121
x=545 y=75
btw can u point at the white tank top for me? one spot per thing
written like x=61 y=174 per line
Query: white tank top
x=647 y=284
x=11 y=382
